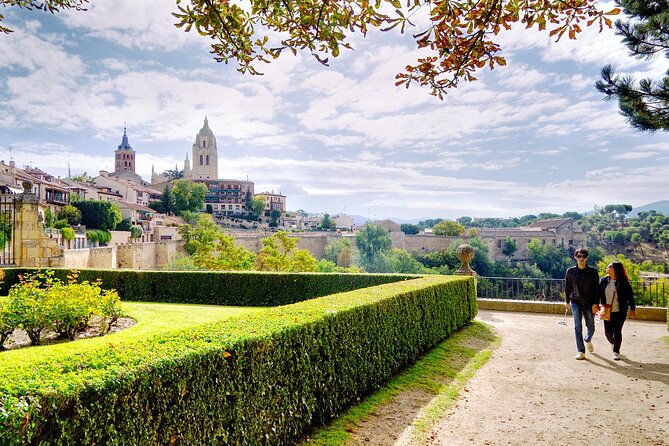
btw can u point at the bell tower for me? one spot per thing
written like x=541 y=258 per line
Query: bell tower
x=205 y=155
x=124 y=155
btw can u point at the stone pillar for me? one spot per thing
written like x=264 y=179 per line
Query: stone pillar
x=32 y=246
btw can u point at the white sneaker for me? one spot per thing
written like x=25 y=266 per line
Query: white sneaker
x=580 y=355
x=591 y=348
x=616 y=356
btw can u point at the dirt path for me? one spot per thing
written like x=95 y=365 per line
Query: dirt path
x=533 y=391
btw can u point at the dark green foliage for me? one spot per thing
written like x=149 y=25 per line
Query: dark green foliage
x=410 y=229
x=261 y=379
x=97 y=214
x=70 y=214
x=647 y=33
x=254 y=289
x=124 y=225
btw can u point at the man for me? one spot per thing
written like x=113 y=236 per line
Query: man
x=581 y=286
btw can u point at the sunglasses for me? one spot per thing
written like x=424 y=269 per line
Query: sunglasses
x=580 y=256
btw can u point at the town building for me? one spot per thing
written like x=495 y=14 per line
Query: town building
x=273 y=201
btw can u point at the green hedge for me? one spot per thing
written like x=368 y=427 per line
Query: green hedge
x=259 y=379
x=257 y=289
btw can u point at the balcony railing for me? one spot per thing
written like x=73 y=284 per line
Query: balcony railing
x=646 y=293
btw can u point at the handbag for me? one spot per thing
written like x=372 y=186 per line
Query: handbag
x=605 y=312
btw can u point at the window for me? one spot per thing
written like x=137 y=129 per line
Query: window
x=207 y=160
x=200 y=160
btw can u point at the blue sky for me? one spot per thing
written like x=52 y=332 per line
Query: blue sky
x=534 y=136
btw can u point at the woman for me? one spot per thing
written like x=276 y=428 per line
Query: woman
x=615 y=290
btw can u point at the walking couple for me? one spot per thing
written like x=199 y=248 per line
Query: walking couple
x=585 y=293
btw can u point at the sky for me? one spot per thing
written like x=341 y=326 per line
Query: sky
x=534 y=136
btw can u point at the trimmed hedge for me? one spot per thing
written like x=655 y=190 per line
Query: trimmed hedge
x=244 y=289
x=259 y=379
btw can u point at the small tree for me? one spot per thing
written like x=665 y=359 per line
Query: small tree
x=509 y=247
x=274 y=217
x=410 y=229
x=136 y=232
x=327 y=223
x=71 y=214
x=448 y=227
x=256 y=206
x=373 y=243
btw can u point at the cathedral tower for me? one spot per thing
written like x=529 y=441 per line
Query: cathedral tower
x=205 y=157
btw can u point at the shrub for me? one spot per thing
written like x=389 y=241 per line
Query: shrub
x=68 y=233
x=41 y=301
x=136 y=231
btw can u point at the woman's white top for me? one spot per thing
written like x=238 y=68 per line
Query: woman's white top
x=610 y=290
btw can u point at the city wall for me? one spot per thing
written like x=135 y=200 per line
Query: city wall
x=156 y=255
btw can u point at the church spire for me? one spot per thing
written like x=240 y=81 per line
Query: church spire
x=125 y=145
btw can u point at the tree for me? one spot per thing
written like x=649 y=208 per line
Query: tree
x=51 y=6
x=212 y=249
x=618 y=211
x=71 y=214
x=279 y=254
x=637 y=239
x=553 y=260
x=340 y=252
x=327 y=223
x=405 y=263
x=188 y=196
x=274 y=217
x=373 y=243
x=99 y=214
x=256 y=205
x=410 y=229
x=136 y=232
x=168 y=205
x=448 y=227
x=461 y=37
x=174 y=174
x=509 y=247
x=645 y=106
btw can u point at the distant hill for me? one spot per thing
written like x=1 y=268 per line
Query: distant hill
x=659 y=206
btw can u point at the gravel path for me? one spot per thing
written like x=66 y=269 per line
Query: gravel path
x=533 y=391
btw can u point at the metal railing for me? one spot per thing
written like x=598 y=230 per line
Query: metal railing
x=646 y=293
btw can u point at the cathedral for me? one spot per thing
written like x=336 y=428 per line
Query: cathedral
x=227 y=197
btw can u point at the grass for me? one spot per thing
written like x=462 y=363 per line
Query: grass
x=443 y=372
x=152 y=319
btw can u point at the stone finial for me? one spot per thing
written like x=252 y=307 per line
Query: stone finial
x=27 y=187
x=465 y=254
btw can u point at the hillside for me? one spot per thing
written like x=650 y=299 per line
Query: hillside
x=659 y=206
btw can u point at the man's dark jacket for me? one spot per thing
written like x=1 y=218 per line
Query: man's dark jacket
x=582 y=285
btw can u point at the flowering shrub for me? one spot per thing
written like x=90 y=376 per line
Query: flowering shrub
x=40 y=301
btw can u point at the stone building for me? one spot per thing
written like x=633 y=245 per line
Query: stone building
x=273 y=201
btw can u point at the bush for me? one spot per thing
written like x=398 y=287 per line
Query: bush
x=136 y=231
x=68 y=233
x=41 y=301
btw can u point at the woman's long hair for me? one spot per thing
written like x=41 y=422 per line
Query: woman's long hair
x=621 y=274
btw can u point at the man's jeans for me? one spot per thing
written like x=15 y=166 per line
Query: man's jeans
x=583 y=312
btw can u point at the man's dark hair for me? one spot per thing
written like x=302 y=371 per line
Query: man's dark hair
x=581 y=251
